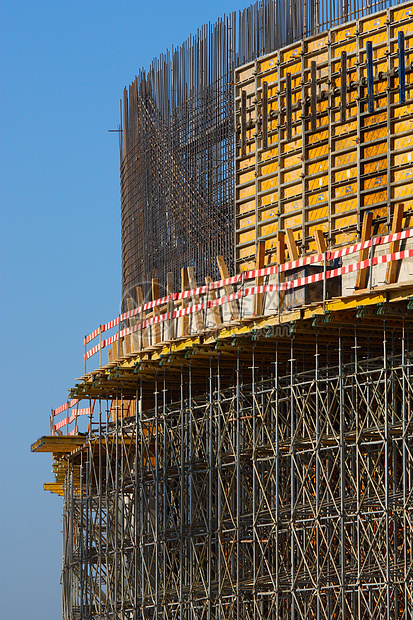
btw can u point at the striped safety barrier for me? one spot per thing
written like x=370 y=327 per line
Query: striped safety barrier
x=247 y=291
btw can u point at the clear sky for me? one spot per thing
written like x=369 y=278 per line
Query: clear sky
x=63 y=68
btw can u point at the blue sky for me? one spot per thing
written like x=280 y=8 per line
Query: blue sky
x=63 y=69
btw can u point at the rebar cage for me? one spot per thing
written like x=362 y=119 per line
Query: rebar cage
x=178 y=134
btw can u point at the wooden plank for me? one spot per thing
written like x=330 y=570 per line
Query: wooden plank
x=291 y=245
x=57 y=443
x=195 y=299
x=170 y=291
x=229 y=289
x=259 y=281
x=126 y=345
x=156 y=328
x=365 y=236
x=134 y=338
x=280 y=246
x=320 y=241
x=184 y=287
x=144 y=332
x=396 y=226
x=212 y=295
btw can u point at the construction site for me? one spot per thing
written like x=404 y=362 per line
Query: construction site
x=240 y=443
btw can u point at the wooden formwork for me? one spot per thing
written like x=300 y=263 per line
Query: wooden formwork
x=324 y=134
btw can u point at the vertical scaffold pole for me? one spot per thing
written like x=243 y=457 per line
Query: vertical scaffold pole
x=342 y=478
x=292 y=482
x=238 y=487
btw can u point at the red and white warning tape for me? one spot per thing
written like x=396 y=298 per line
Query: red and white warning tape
x=71 y=418
x=68 y=405
x=245 y=292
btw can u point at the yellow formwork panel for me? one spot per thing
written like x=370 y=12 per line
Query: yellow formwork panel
x=402 y=14
x=245 y=237
x=269 y=168
x=406 y=28
x=349 y=173
x=269 y=229
x=345 y=33
x=403 y=158
x=289 y=175
x=374 y=182
x=345 y=128
x=292 y=53
x=246 y=222
x=292 y=221
x=345 y=206
x=403 y=142
x=405 y=174
x=245 y=207
x=268 y=184
x=245 y=177
x=403 y=191
x=316 y=43
x=324 y=178
x=247 y=251
x=375 y=23
x=318 y=182
x=268 y=77
x=314 y=199
x=318 y=212
x=293 y=205
x=269 y=64
x=291 y=160
x=293 y=191
x=272 y=153
x=374 y=198
x=269 y=199
x=316 y=167
x=246 y=163
x=343 y=192
x=246 y=192
x=267 y=214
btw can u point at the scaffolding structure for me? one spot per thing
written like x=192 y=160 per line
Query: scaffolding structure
x=249 y=447
x=268 y=478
